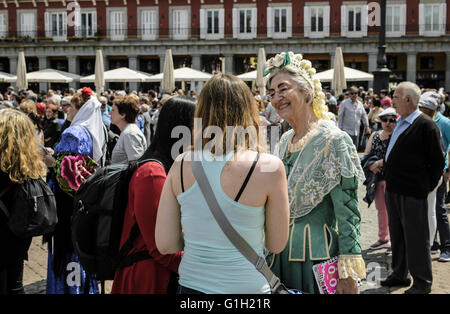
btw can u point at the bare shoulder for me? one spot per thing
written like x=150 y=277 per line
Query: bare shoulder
x=270 y=165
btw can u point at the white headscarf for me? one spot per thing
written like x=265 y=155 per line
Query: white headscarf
x=90 y=117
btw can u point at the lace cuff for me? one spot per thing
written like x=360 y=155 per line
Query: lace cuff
x=351 y=266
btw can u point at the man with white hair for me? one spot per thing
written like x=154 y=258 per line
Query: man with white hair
x=106 y=117
x=413 y=167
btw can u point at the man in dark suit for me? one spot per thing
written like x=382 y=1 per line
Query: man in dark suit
x=412 y=168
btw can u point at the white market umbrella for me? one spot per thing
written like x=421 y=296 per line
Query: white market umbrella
x=99 y=73
x=7 y=78
x=338 y=83
x=168 y=80
x=183 y=74
x=52 y=76
x=248 y=76
x=21 y=81
x=119 y=75
x=351 y=75
x=260 y=79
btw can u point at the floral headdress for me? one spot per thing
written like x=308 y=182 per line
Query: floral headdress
x=296 y=63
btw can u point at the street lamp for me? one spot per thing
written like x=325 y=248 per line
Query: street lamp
x=381 y=75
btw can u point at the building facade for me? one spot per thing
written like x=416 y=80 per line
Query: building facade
x=225 y=35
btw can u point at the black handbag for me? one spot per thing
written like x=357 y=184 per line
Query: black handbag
x=33 y=209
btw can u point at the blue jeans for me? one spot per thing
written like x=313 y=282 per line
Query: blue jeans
x=442 y=219
x=355 y=140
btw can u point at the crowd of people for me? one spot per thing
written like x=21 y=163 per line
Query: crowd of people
x=296 y=207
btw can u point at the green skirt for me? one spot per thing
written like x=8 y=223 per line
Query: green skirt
x=294 y=275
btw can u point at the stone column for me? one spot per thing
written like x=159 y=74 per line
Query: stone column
x=447 y=71
x=74 y=69
x=13 y=65
x=196 y=62
x=133 y=65
x=411 y=67
x=106 y=68
x=162 y=58
x=372 y=65
x=332 y=54
x=229 y=64
x=13 y=68
x=43 y=64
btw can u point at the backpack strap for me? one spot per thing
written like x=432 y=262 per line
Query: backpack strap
x=247 y=178
x=128 y=260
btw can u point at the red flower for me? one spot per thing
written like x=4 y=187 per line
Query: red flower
x=86 y=92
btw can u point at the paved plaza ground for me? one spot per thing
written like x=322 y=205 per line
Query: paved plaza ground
x=377 y=262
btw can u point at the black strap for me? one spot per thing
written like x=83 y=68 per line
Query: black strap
x=128 y=260
x=181 y=175
x=133 y=258
x=128 y=245
x=247 y=178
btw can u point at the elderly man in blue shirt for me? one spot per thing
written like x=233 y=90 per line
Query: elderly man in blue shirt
x=429 y=104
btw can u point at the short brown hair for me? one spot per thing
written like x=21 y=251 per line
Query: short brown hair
x=128 y=105
x=78 y=100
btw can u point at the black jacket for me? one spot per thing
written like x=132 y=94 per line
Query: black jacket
x=416 y=162
x=13 y=249
x=52 y=131
x=371 y=178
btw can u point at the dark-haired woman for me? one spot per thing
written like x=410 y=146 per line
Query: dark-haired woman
x=157 y=274
x=78 y=152
x=132 y=143
x=51 y=126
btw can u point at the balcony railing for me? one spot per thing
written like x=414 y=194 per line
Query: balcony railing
x=196 y=33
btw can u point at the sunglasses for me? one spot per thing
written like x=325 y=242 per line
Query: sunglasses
x=352 y=93
x=388 y=120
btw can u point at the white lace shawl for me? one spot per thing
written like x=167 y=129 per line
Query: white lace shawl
x=328 y=155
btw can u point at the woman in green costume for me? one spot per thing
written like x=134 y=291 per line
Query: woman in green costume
x=323 y=171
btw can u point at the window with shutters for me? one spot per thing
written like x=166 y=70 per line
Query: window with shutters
x=3 y=24
x=395 y=20
x=244 y=22
x=26 y=24
x=211 y=22
x=117 y=24
x=88 y=23
x=354 y=19
x=432 y=18
x=317 y=20
x=180 y=24
x=56 y=24
x=279 y=20
x=149 y=24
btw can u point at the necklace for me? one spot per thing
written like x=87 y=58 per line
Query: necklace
x=298 y=145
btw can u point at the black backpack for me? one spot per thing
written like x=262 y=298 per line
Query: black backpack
x=97 y=221
x=33 y=209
